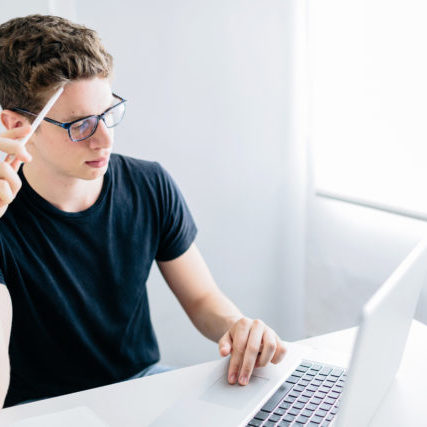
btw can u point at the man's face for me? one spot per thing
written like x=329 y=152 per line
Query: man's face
x=51 y=146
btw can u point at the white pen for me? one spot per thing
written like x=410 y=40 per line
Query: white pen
x=37 y=121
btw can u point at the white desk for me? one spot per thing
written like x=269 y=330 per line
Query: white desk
x=133 y=403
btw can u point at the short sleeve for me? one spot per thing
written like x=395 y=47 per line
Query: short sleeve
x=2 y=254
x=178 y=229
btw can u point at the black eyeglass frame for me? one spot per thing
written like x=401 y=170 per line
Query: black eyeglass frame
x=68 y=125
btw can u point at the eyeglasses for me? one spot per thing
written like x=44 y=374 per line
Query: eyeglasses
x=83 y=128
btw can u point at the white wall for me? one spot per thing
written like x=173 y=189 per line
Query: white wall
x=209 y=95
x=211 y=90
x=351 y=250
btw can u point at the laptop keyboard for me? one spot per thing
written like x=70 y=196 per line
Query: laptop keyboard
x=309 y=397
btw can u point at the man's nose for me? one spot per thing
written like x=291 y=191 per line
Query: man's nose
x=102 y=138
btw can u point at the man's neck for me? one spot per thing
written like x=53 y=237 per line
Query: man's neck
x=65 y=193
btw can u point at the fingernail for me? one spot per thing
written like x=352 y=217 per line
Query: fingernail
x=243 y=380
x=232 y=378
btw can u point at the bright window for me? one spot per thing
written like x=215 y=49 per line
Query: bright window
x=368 y=73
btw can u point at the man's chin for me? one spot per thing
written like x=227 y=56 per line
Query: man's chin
x=92 y=173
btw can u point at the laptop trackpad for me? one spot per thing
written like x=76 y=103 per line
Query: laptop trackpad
x=221 y=404
x=235 y=396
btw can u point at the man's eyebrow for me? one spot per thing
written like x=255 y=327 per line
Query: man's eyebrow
x=73 y=117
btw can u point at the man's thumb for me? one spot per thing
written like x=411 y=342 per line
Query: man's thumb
x=224 y=345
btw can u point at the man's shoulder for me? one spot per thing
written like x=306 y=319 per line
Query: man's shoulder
x=126 y=167
x=121 y=162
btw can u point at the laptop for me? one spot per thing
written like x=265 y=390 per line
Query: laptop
x=311 y=387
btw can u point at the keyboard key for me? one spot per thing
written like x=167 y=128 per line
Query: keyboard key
x=289 y=417
x=329 y=400
x=336 y=372
x=292 y=379
x=255 y=423
x=298 y=405
x=307 y=393
x=277 y=397
x=298 y=388
x=307 y=413
x=334 y=395
x=316 y=367
x=326 y=371
x=311 y=387
x=302 y=368
x=316 y=419
x=301 y=420
x=269 y=424
x=315 y=401
x=289 y=399
x=262 y=415
x=325 y=406
x=306 y=364
x=316 y=382
x=293 y=411
x=279 y=411
x=284 y=424
x=311 y=407
x=303 y=399
x=284 y=405
x=320 y=395
x=274 y=418
x=297 y=374
x=303 y=382
x=320 y=413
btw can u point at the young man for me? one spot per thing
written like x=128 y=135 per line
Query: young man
x=80 y=228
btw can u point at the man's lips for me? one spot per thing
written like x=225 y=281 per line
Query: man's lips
x=98 y=163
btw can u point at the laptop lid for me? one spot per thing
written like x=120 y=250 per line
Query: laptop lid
x=381 y=339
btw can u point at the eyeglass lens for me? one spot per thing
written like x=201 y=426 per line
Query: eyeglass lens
x=86 y=127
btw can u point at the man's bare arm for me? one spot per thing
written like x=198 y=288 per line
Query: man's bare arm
x=5 y=327
x=192 y=283
x=251 y=343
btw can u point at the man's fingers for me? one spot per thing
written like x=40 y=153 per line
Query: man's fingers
x=14 y=147
x=251 y=352
x=9 y=143
x=240 y=338
x=225 y=344
x=16 y=133
x=8 y=175
x=269 y=346
x=280 y=351
x=6 y=195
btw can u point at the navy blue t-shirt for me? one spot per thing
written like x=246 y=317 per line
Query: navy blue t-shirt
x=78 y=280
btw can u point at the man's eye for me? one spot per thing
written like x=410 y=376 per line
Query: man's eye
x=81 y=126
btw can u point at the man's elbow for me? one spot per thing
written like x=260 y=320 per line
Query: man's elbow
x=5 y=328
x=4 y=376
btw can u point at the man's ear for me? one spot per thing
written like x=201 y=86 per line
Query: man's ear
x=11 y=119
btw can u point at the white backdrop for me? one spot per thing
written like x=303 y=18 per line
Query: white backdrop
x=211 y=90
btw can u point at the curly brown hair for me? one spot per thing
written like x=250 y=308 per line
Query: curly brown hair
x=40 y=53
